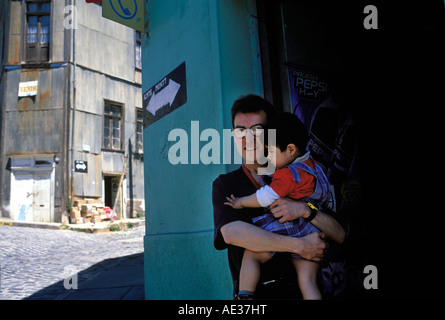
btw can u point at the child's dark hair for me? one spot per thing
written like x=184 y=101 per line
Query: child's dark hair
x=290 y=130
x=251 y=104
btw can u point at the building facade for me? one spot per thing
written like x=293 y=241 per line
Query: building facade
x=71 y=110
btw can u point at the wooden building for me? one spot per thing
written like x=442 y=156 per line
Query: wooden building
x=70 y=110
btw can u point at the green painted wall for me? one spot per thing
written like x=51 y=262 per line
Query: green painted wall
x=213 y=37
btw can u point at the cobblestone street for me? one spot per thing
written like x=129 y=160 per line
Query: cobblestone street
x=32 y=259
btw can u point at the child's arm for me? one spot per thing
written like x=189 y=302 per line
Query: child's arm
x=243 y=202
x=264 y=197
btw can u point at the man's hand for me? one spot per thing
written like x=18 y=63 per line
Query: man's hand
x=313 y=246
x=289 y=210
x=249 y=236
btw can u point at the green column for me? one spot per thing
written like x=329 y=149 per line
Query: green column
x=214 y=39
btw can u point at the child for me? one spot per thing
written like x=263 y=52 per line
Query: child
x=298 y=177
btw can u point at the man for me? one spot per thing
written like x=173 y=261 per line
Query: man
x=234 y=229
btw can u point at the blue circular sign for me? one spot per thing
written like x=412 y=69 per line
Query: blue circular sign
x=126 y=12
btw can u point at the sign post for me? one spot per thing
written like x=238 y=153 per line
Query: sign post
x=127 y=12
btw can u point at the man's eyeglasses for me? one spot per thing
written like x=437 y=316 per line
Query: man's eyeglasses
x=256 y=130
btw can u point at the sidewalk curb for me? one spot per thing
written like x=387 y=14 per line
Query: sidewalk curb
x=41 y=225
x=100 y=227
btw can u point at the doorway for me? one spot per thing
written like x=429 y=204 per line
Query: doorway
x=32 y=189
x=305 y=51
x=111 y=197
x=111 y=184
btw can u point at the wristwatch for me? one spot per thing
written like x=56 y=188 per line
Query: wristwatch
x=314 y=211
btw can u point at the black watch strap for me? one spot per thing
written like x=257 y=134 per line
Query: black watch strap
x=314 y=211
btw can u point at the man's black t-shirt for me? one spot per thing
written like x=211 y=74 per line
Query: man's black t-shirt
x=238 y=183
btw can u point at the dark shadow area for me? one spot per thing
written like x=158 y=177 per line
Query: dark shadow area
x=119 y=278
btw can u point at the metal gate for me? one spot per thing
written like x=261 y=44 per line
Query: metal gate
x=32 y=189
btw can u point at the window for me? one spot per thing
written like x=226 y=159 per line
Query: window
x=113 y=121
x=138 y=62
x=37 y=30
x=139 y=132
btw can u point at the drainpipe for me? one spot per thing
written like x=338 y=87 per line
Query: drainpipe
x=73 y=104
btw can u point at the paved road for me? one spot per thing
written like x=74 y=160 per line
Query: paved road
x=32 y=259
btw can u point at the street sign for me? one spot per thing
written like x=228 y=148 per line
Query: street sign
x=165 y=96
x=80 y=166
x=127 y=12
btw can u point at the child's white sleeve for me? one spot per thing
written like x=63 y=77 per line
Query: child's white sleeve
x=266 y=196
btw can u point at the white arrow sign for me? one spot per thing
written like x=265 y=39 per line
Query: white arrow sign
x=81 y=166
x=165 y=96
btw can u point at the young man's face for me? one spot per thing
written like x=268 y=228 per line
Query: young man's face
x=249 y=146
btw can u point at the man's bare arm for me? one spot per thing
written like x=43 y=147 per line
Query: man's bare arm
x=329 y=226
x=251 y=237
x=287 y=210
